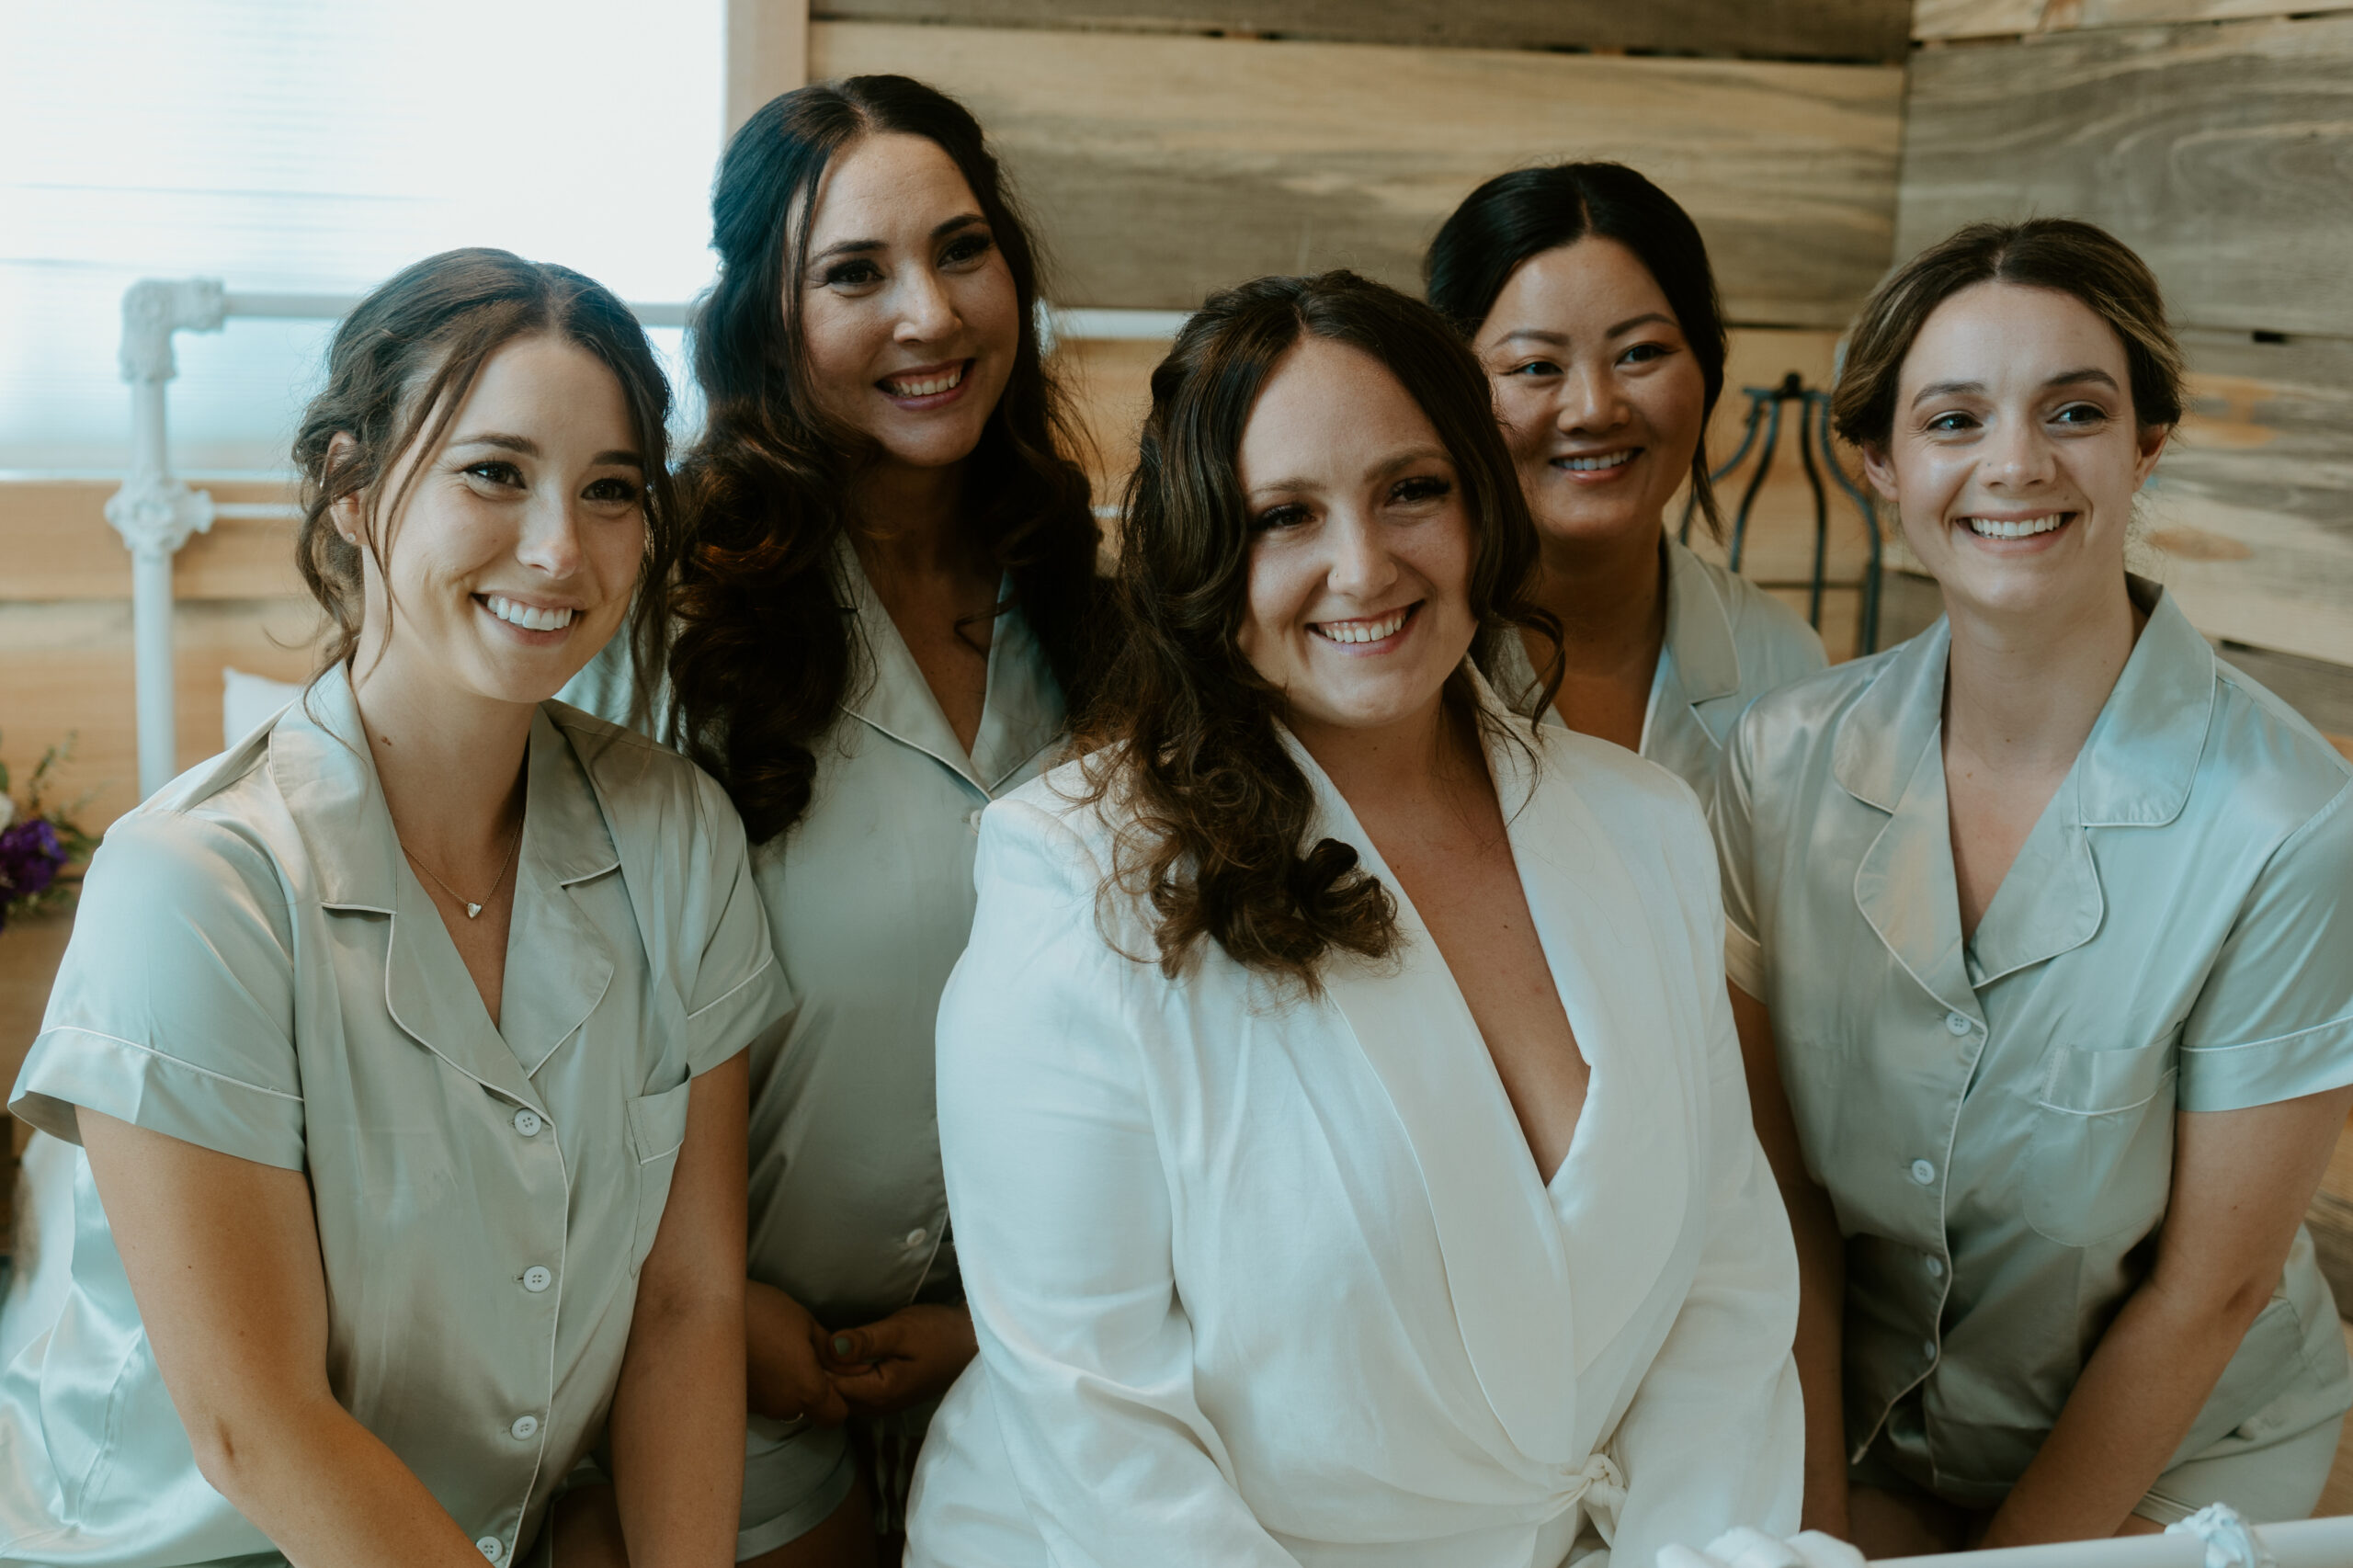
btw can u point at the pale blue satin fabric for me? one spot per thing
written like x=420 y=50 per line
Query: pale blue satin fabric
x=255 y=970
x=1993 y=1120
x=870 y=899
x=1728 y=642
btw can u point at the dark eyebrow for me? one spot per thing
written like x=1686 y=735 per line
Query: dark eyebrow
x=530 y=448
x=1631 y=323
x=852 y=247
x=504 y=443
x=1945 y=388
x=1561 y=339
x=1411 y=456
x=2090 y=375
x=1298 y=484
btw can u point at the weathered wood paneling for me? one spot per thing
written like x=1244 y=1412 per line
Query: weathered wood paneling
x=67 y=668
x=30 y=950
x=767 y=54
x=1932 y=19
x=2222 y=154
x=1161 y=169
x=58 y=545
x=1804 y=29
x=2250 y=507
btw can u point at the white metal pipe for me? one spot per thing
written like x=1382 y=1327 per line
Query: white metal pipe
x=153 y=512
x=2304 y=1543
x=334 y=307
x=151 y=659
x=1119 y=326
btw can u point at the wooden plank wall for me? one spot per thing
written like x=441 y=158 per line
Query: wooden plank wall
x=1162 y=166
x=1166 y=149
x=65 y=663
x=1870 y=31
x=2216 y=138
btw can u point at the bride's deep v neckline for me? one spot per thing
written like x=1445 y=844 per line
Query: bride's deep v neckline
x=1520 y=1017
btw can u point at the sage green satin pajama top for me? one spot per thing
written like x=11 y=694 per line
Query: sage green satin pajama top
x=1993 y=1118
x=1728 y=642
x=869 y=901
x=255 y=970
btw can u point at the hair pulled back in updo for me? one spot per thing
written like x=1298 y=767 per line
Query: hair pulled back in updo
x=1516 y=216
x=2064 y=255
x=399 y=369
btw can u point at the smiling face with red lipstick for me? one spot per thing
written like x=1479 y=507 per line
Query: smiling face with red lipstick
x=2015 y=451
x=909 y=315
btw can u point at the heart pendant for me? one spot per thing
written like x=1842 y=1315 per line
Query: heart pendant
x=473 y=910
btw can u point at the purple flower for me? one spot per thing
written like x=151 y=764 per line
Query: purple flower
x=31 y=857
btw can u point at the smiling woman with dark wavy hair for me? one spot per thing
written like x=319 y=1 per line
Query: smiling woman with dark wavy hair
x=1327 y=1019
x=884 y=604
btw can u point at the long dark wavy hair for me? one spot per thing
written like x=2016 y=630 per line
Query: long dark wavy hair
x=762 y=657
x=1185 y=733
x=399 y=369
x=1529 y=211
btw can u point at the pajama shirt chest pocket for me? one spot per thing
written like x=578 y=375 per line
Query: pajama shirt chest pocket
x=657 y=1128
x=2100 y=1155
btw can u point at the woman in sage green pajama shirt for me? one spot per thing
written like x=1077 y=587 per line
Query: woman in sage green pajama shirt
x=887 y=581
x=406 y=1038
x=2046 y=913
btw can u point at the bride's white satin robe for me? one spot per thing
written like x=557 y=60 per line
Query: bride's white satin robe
x=1261 y=1279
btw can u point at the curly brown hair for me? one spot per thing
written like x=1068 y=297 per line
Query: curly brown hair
x=399 y=369
x=1184 y=732
x=762 y=658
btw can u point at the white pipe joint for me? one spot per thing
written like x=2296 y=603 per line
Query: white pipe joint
x=153 y=512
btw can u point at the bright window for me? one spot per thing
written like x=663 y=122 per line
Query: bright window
x=319 y=146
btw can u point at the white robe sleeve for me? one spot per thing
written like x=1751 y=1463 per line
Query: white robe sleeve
x=1716 y=1436
x=1060 y=1211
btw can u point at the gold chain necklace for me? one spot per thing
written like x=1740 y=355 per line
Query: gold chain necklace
x=507 y=864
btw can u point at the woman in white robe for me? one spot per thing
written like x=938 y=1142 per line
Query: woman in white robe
x=1398 y=1220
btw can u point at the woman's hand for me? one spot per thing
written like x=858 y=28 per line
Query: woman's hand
x=2242 y=1180
x=902 y=1359
x=786 y=1370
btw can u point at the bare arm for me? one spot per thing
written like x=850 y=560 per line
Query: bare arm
x=2242 y=1180
x=1822 y=1270
x=222 y=1255
x=678 y=1421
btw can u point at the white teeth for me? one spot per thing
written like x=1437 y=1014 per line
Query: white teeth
x=1588 y=465
x=529 y=618
x=1361 y=630
x=927 y=387
x=2022 y=527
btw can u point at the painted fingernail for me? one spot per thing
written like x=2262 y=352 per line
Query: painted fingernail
x=841 y=1345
